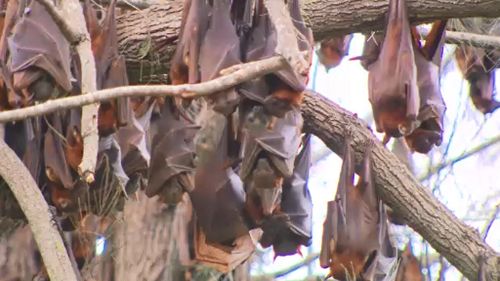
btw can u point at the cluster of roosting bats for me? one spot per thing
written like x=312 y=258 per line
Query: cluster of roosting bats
x=239 y=154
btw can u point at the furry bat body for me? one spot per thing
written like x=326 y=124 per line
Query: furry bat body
x=333 y=50
x=392 y=78
x=218 y=197
x=281 y=91
x=219 y=50
x=478 y=69
x=352 y=232
x=39 y=57
x=432 y=107
x=291 y=226
x=172 y=169
x=268 y=157
x=110 y=68
x=194 y=23
x=409 y=267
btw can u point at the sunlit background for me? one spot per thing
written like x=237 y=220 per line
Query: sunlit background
x=470 y=187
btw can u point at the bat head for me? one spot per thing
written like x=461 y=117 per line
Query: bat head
x=425 y=137
x=332 y=51
x=409 y=267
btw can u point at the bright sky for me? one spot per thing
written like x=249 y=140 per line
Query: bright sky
x=471 y=190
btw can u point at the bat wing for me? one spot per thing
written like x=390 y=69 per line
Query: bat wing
x=55 y=158
x=38 y=42
x=296 y=201
x=132 y=141
x=392 y=78
x=172 y=152
x=220 y=49
x=432 y=106
x=218 y=197
x=280 y=143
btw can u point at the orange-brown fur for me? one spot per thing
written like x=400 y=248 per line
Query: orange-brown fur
x=346 y=261
x=74 y=149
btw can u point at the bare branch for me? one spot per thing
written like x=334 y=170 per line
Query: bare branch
x=36 y=210
x=451 y=162
x=243 y=73
x=467 y=38
x=71 y=9
x=490 y=222
x=286 y=36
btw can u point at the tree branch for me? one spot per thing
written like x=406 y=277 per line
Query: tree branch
x=468 y=38
x=36 y=210
x=451 y=162
x=147 y=37
x=71 y=9
x=242 y=73
x=398 y=188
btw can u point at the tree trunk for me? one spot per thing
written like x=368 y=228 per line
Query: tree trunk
x=144 y=246
x=17 y=256
x=147 y=38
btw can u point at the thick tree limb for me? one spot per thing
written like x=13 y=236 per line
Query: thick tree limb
x=36 y=210
x=147 y=37
x=398 y=188
x=71 y=9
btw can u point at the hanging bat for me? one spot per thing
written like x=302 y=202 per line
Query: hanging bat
x=280 y=91
x=333 y=50
x=219 y=50
x=432 y=107
x=218 y=197
x=409 y=267
x=243 y=13
x=39 y=56
x=194 y=24
x=171 y=169
x=56 y=151
x=267 y=157
x=110 y=68
x=392 y=77
x=291 y=225
x=477 y=69
x=132 y=140
x=351 y=231
x=386 y=262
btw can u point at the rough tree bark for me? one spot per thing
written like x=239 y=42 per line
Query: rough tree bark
x=17 y=256
x=147 y=37
x=398 y=188
x=40 y=219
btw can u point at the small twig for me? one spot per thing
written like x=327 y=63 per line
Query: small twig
x=286 y=36
x=244 y=73
x=465 y=155
x=488 y=226
x=467 y=38
x=36 y=210
x=306 y=261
